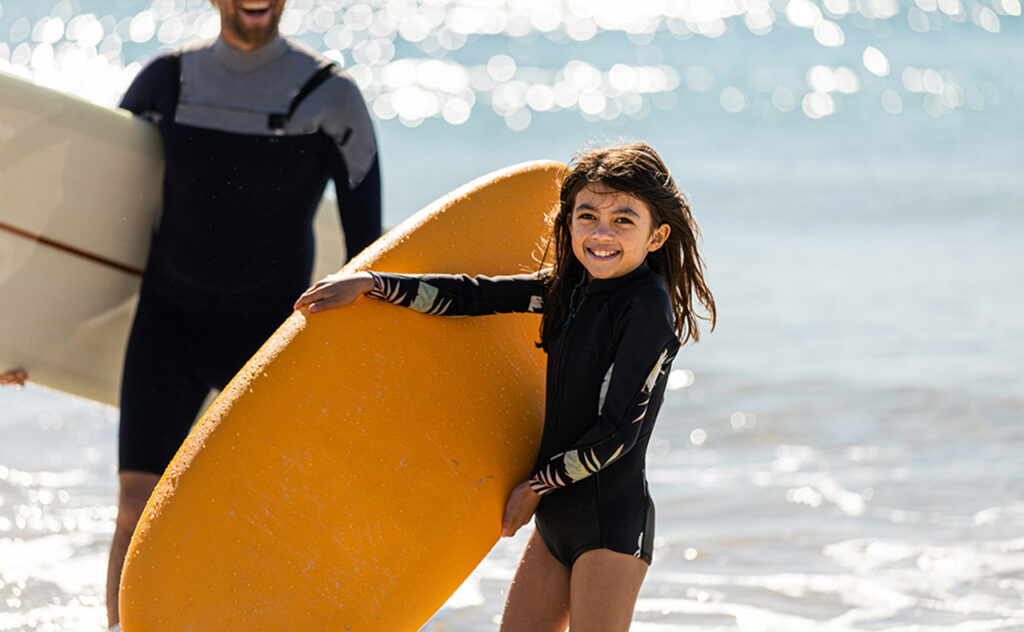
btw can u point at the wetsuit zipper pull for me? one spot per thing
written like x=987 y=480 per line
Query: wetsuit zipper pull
x=573 y=307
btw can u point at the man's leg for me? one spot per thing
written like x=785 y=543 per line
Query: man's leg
x=135 y=489
x=160 y=397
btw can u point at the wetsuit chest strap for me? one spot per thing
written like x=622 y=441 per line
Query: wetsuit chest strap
x=278 y=121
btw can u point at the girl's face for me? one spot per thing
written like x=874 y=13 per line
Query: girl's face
x=612 y=231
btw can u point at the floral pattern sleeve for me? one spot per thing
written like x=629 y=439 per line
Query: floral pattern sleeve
x=460 y=295
x=645 y=349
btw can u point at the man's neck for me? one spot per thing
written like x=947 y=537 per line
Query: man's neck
x=246 y=60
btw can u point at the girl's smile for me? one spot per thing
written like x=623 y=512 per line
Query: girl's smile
x=612 y=231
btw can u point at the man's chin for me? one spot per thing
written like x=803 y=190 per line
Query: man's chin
x=254 y=32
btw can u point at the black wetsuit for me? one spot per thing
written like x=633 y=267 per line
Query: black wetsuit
x=606 y=375
x=250 y=140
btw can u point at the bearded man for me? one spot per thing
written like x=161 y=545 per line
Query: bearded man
x=253 y=126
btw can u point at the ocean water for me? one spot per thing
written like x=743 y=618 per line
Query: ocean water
x=842 y=452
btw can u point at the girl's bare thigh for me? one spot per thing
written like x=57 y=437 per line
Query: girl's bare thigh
x=603 y=590
x=538 y=600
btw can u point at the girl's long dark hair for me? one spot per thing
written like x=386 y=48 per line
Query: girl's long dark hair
x=635 y=169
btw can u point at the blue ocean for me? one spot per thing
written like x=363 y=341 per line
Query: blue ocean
x=844 y=451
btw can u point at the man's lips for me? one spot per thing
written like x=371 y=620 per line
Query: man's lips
x=255 y=9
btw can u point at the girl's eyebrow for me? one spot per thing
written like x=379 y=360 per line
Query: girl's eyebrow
x=625 y=210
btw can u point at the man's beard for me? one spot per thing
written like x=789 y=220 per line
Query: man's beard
x=252 y=35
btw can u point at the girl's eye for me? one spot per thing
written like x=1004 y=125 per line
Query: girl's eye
x=624 y=220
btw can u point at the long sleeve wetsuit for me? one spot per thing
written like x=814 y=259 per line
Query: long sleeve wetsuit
x=606 y=375
x=250 y=139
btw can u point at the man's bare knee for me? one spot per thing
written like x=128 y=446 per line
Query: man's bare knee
x=136 y=488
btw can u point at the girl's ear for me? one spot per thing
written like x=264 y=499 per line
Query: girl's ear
x=659 y=237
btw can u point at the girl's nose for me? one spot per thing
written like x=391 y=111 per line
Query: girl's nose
x=603 y=230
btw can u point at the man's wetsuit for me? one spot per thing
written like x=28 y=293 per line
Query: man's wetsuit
x=250 y=139
x=606 y=375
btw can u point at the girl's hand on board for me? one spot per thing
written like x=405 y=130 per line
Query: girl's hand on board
x=335 y=290
x=522 y=502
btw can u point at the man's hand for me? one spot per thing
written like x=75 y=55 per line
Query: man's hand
x=14 y=376
x=522 y=502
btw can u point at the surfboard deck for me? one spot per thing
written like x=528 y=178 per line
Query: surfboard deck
x=79 y=195
x=355 y=471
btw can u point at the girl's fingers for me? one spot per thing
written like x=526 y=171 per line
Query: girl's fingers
x=326 y=300
x=319 y=293
x=516 y=515
x=506 y=521
x=308 y=297
x=508 y=529
x=520 y=507
x=324 y=303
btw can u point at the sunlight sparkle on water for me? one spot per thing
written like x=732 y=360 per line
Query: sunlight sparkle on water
x=381 y=40
x=680 y=378
x=875 y=61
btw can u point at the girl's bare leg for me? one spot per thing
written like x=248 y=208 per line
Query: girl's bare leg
x=538 y=600
x=603 y=590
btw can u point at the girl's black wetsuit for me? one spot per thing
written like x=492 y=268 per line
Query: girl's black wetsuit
x=606 y=375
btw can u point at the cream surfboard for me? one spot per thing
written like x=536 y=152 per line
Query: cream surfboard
x=79 y=195
x=355 y=471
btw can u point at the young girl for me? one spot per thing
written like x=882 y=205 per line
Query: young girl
x=616 y=306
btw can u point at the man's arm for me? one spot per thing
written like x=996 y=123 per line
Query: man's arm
x=158 y=81
x=355 y=166
x=359 y=206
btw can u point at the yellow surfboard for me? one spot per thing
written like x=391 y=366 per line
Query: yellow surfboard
x=355 y=471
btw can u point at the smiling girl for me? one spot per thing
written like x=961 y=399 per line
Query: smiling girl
x=616 y=305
